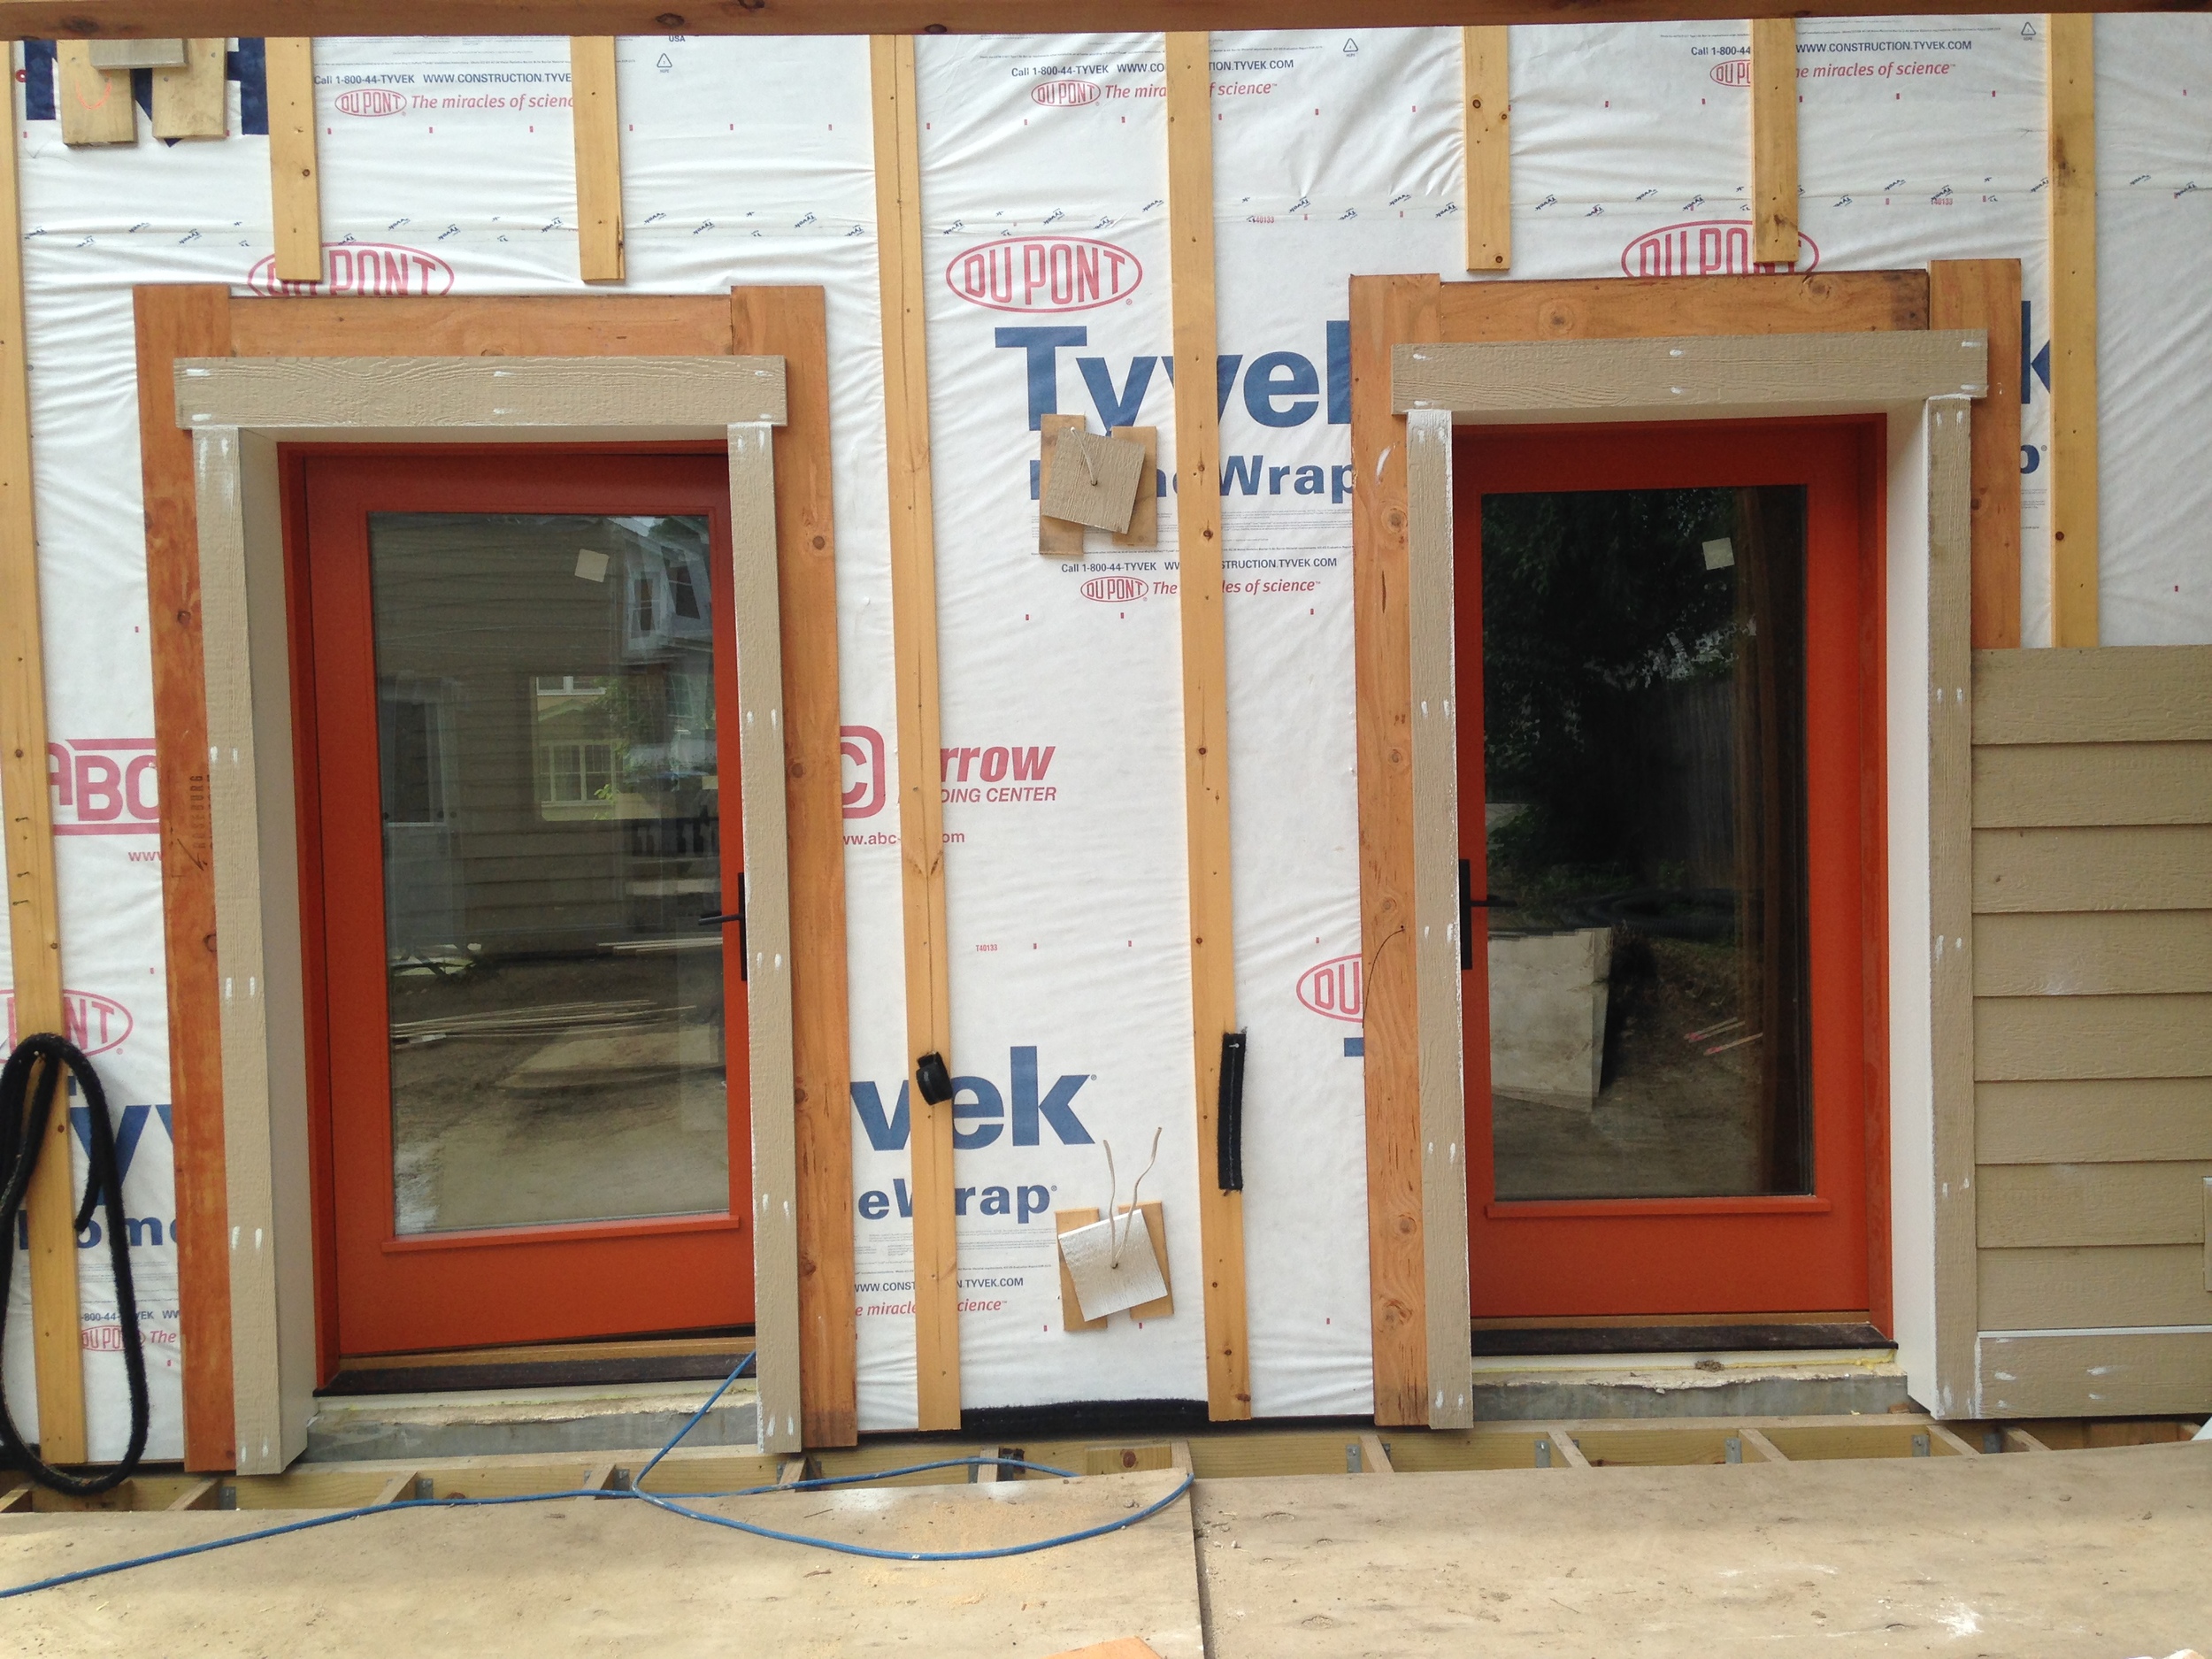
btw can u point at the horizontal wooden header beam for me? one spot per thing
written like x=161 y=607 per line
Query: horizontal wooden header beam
x=269 y=393
x=114 y=19
x=1664 y=380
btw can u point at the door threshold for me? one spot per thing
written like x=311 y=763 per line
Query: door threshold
x=1550 y=1339
x=541 y=1365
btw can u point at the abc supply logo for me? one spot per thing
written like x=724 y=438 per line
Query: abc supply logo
x=1044 y=273
x=370 y=101
x=103 y=785
x=1065 y=94
x=94 y=1024
x=1712 y=247
x=367 y=269
x=1332 y=988
x=860 y=749
x=1734 y=72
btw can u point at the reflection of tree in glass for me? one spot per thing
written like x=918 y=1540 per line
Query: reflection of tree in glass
x=1588 y=599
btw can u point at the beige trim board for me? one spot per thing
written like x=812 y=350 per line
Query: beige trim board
x=1924 y=381
x=1704 y=377
x=241 y=549
x=281 y=394
x=1430 y=616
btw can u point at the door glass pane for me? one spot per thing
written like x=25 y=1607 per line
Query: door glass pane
x=552 y=835
x=1643 y=674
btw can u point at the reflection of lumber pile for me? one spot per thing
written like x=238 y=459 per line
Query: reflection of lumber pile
x=591 y=1062
x=1547 y=1000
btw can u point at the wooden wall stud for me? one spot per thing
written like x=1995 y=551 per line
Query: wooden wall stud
x=295 y=177
x=2071 y=89
x=914 y=651
x=598 y=127
x=1190 y=210
x=34 y=908
x=1774 y=140
x=1489 y=198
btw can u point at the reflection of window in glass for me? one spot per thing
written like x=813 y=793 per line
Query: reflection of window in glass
x=681 y=592
x=575 y=771
x=415 y=754
x=643 y=591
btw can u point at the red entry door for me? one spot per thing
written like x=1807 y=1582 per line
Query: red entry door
x=517 y=713
x=1671 y=828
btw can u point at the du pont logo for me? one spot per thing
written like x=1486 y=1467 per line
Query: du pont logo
x=1044 y=273
x=1735 y=72
x=1115 y=590
x=94 y=1024
x=103 y=785
x=860 y=750
x=1712 y=247
x=1065 y=94
x=370 y=101
x=367 y=268
x=1332 y=988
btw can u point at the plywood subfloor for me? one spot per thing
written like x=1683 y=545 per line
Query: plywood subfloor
x=577 y=1576
x=2093 y=1553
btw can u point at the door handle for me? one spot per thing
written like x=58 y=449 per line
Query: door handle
x=1468 y=905
x=737 y=916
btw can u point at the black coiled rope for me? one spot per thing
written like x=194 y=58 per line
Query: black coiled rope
x=23 y=1119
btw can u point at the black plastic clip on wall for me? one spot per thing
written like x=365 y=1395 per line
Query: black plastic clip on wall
x=1229 y=1114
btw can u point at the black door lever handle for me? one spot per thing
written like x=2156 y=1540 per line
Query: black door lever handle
x=1468 y=905
x=737 y=916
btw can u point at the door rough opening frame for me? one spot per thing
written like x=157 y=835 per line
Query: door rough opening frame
x=1427 y=356
x=220 y=383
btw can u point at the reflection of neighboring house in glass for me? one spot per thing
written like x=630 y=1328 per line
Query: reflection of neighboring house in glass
x=639 y=744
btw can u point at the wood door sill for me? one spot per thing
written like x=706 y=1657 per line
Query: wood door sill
x=695 y=1358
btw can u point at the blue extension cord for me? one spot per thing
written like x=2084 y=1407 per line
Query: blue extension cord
x=673 y=1507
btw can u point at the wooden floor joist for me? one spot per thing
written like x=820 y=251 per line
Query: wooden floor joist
x=1774 y=239
x=2070 y=84
x=914 y=650
x=1487 y=110
x=33 y=907
x=598 y=129
x=294 y=175
x=1190 y=209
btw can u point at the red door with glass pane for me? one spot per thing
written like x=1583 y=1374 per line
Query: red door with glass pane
x=1669 y=661
x=517 y=716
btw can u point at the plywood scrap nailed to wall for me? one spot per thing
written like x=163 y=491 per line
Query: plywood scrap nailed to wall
x=1774 y=239
x=1486 y=88
x=2071 y=90
x=192 y=100
x=598 y=128
x=1190 y=197
x=914 y=652
x=294 y=176
x=95 y=103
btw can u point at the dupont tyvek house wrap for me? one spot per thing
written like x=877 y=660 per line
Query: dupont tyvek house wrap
x=1335 y=154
